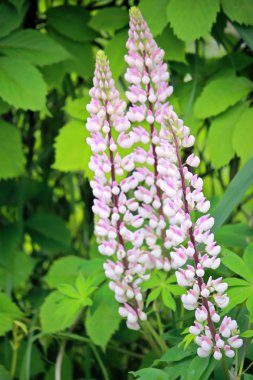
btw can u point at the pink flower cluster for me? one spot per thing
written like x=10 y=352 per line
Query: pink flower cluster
x=144 y=199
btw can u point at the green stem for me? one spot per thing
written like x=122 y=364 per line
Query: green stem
x=100 y=362
x=160 y=342
x=14 y=362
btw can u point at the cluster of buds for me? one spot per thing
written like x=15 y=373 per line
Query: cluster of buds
x=145 y=198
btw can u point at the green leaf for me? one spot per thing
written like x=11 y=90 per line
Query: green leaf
x=247 y=334
x=150 y=374
x=103 y=318
x=59 y=312
x=243 y=135
x=173 y=47
x=236 y=282
x=4 y=374
x=236 y=296
x=71 y=150
x=33 y=46
x=72 y=22
x=246 y=33
x=221 y=93
x=233 y=194
x=81 y=61
x=178 y=369
x=237 y=265
x=222 y=127
x=76 y=107
x=153 y=295
x=234 y=235
x=4 y=107
x=115 y=50
x=109 y=19
x=176 y=290
x=176 y=353
x=249 y=303
x=168 y=300
x=49 y=231
x=18 y=78
x=8 y=313
x=10 y=18
x=192 y=19
x=155 y=16
x=239 y=10
x=66 y=269
x=197 y=367
x=11 y=155
x=248 y=257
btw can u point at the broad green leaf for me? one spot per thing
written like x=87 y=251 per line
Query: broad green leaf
x=237 y=265
x=8 y=313
x=234 y=193
x=71 y=150
x=81 y=60
x=150 y=374
x=153 y=295
x=192 y=19
x=248 y=257
x=247 y=334
x=240 y=11
x=222 y=127
x=4 y=374
x=66 y=269
x=10 y=18
x=154 y=15
x=33 y=46
x=236 y=282
x=234 y=235
x=4 y=107
x=103 y=318
x=116 y=49
x=59 y=312
x=11 y=154
x=197 y=367
x=243 y=135
x=109 y=19
x=168 y=300
x=173 y=47
x=247 y=376
x=236 y=296
x=76 y=108
x=49 y=231
x=249 y=303
x=246 y=33
x=18 y=78
x=176 y=353
x=178 y=369
x=221 y=93
x=207 y=374
x=72 y=22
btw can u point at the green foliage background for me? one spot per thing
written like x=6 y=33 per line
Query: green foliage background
x=56 y=312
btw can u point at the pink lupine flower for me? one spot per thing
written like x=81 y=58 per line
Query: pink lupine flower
x=180 y=191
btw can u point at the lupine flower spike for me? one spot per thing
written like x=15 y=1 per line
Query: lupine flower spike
x=107 y=126
x=183 y=194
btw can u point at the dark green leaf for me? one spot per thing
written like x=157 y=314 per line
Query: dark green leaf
x=109 y=19
x=239 y=10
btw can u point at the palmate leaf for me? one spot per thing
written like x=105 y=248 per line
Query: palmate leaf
x=11 y=154
x=237 y=265
x=182 y=13
x=33 y=46
x=197 y=367
x=150 y=374
x=18 y=80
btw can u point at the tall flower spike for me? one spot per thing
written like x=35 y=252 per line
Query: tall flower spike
x=108 y=125
x=148 y=75
x=182 y=193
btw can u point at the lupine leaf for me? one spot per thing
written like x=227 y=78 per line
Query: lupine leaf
x=11 y=155
x=197 y=367
x=181 y=14
x=248 y=257
x=240 y=11
x=168 y=300
x=236 y=295
x=221 y=93
x=150 y=374
x=17 y=78
x=176 y=353
x=237 y=265
x=4 y=374
x=33 y=46
x=243 y=135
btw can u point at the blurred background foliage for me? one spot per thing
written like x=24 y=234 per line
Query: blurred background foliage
x=47 y=248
